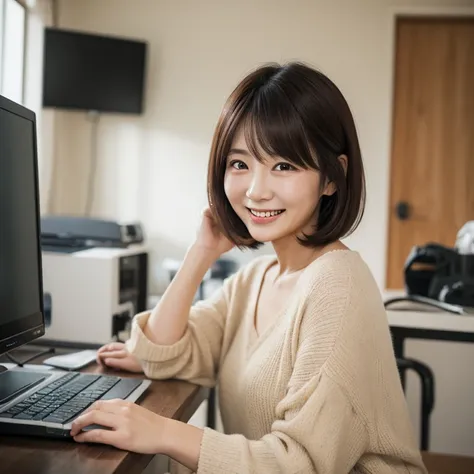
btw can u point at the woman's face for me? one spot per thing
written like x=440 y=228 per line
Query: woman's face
x=274 y=199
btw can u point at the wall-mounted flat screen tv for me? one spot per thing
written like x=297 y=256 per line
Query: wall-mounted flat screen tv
x=93 y=72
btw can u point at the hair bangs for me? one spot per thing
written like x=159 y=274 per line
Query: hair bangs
x=273 y=128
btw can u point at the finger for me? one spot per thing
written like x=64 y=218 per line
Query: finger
x=110 y=355
x=110 y=420
x=98 y=436
x=113 y=346
x=114 y=354
x=114 y=406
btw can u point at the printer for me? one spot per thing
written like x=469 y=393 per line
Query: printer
x=94 y=279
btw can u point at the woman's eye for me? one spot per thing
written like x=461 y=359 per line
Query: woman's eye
x=284 y=167
x=238 y=165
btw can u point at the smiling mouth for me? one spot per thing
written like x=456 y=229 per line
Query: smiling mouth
x=265 y=213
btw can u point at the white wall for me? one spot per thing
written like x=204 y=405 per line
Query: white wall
x=12 y=50
x=153 y=167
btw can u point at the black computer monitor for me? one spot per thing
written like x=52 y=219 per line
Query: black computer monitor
x=21 y=292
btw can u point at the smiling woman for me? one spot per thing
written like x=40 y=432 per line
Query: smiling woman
x=297 y=342
x=267 y=121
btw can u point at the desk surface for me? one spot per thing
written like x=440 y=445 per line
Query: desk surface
x=23 y=455
x=446 y=464
x=434 y=320
x=413 y=315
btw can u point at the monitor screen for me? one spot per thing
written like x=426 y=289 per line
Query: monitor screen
x=21 y=294
x=91 y=72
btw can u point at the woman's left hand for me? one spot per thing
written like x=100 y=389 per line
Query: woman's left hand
x=130 y=426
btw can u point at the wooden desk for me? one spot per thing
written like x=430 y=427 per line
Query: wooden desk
x=446 y=464
x=174 y=399
x=24 y=455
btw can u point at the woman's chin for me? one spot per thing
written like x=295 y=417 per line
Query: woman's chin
x=267 y=233
x=265 y=236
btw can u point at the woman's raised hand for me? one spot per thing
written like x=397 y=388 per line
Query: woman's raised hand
x=210 y=238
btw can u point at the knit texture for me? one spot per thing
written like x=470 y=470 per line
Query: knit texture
x=316 y=392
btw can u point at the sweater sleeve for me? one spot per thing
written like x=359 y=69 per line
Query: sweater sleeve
x=196 y=355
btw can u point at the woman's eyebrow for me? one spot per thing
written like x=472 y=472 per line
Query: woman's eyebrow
x=239 y=151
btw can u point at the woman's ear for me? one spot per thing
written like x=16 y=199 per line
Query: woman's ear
x=343 y=161
x=330 y=187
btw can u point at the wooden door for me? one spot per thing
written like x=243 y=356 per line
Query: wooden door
x=432 y=158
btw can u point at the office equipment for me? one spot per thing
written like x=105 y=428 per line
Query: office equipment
x=72 y=361
x=21 y=306
x=74 y=248
x=465 y=239
x=440 y=273
x=33 y=402
x=170 y=398
x=93 y=72
x=72 y=233
x=100 y=288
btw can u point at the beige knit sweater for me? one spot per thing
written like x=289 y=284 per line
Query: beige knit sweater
x=317 y=392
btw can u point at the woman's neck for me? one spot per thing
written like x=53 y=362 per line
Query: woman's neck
x=294 y=257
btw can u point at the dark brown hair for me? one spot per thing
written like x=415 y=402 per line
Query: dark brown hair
x=294 y=112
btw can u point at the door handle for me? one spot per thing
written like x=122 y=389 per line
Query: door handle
x=402 y=210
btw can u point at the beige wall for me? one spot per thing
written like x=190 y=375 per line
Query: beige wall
x=153 y=167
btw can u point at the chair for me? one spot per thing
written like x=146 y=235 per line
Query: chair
x=423 y=371
x=427 y=383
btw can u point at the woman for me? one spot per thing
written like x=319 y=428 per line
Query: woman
x=298 y=343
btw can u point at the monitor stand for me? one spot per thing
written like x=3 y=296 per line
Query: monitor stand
x=16 y=382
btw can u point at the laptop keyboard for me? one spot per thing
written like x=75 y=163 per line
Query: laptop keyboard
x=64 y=399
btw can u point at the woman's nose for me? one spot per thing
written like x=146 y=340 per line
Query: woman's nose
x=259 y=189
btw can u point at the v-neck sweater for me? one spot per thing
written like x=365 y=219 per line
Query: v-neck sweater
x=317 y=392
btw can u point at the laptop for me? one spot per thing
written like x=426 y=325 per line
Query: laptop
x=34 y=402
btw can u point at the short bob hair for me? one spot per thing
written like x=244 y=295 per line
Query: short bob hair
x=296 y=113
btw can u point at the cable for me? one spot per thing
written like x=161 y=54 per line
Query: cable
x=54 y=13
x=94 y=119
x=51 y=190
x=51 y=350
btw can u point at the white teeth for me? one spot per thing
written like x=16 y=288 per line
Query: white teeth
x=265 y=214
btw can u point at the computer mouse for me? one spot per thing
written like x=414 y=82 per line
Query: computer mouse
x=95 y=426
